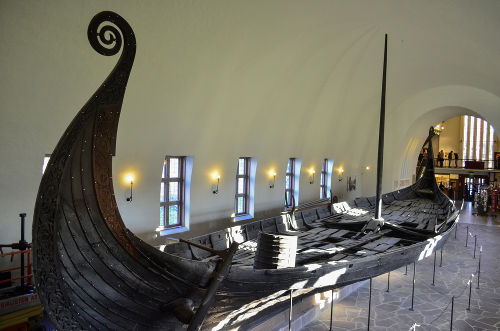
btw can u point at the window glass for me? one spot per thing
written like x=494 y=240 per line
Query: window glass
x=46 y=159
x=326 y=175
x=465 y=140
x=162 y=216
x=478 y=139
x=174 y=168
x=490 y=149
x=241 y=206
x=173 y=191
x=173 y=214
x=471 y=137
x=484 y=139
x=241 y=185
x=241 y=166
x=162 y=192
x=290 y=181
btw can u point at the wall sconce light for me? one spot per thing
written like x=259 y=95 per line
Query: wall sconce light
x=340 y=171
x=272 y=174
x=215 y=187
x=311 y=175
x=130 y=179
x=367 y=168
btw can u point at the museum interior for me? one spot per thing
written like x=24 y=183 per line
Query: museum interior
x=249 y=165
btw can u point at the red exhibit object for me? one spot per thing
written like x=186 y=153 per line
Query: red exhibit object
x=494 y=201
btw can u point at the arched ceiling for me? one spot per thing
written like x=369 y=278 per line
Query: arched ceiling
x=222 y=79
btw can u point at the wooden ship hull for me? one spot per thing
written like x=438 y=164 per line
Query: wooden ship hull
x=92 y=273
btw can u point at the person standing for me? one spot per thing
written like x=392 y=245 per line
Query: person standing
x=441 y=158
x=456 y=160
x=450 y=156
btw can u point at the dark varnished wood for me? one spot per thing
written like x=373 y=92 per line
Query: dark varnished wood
x=92 y=273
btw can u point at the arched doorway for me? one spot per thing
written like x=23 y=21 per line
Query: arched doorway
x=466 y=156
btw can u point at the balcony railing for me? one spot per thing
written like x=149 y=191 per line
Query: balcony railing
x=464 y=164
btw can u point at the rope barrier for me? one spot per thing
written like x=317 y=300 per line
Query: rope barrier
x=448 y=304
x=467 y=285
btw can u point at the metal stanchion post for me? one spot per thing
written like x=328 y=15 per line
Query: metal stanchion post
x=388 y=280
x=413 y=287
x=456 y=228
x=290 y=312
x=331 y=313
x=441 y=260
x=434 y=269
x=467 y=236
x=479 y=266
x=470 y=290
x=369 y=304
x=22 y=246
x=406 y=270
x=475 y=243
x=451 y=319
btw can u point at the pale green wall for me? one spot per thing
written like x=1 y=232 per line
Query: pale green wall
x=223 y=79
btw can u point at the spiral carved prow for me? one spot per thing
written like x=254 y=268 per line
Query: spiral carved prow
x=107 y=39
x=108 y=33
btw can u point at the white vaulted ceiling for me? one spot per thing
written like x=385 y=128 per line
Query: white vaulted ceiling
x=223 y=79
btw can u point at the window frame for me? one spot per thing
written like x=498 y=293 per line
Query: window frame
x=166 y=180
x=324 y=180
x=290 y=175
x=246 y=187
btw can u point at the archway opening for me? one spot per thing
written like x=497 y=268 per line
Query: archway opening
x=466 y=158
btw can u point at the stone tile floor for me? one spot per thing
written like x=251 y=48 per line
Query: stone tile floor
x=432 y=304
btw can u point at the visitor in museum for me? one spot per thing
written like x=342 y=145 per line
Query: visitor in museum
x=441 y=158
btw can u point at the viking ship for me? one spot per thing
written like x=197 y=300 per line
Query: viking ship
x=92 y=273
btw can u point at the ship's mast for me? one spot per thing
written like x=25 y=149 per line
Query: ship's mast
x=380 y=160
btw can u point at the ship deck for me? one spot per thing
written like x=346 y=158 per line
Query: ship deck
x=326 y=235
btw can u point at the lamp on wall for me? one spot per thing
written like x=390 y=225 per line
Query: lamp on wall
x=340 y=171
x=130 y=179
x=272 y=174
x=215 y=187
x=311 y=175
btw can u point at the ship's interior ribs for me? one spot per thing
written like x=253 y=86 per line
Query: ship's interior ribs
x=328 y=231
